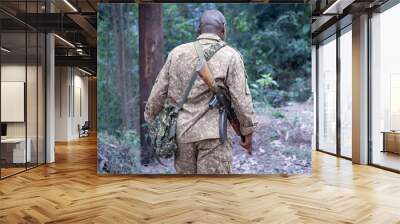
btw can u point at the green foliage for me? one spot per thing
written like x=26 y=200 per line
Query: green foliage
x=266 y=80
x=119 y=153
x=277 y=114
x=273 y=39
x=131 y=139
x=261 y=86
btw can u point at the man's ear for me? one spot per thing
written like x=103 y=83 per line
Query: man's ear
x=223 y=32
x=199 y=30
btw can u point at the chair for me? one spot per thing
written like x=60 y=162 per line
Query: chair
x=84 y=130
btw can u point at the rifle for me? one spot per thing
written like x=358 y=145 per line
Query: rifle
x=220 y=96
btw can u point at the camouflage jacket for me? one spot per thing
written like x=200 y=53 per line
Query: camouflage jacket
x=227 y=68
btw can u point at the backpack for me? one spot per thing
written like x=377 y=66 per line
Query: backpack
x=162 y=130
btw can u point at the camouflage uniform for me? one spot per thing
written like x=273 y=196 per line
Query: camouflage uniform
x=199 y=150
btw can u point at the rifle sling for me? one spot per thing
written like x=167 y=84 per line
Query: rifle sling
x=205 y=56
x=209 y=53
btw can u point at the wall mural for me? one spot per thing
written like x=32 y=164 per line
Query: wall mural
x=249 y=109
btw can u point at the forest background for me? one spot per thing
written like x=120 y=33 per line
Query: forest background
x=275 y=42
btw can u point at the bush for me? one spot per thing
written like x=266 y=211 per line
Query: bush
x=277 y=114
x=300 y=90
x=259 y=87
x=297 y=153
x=276 y=98
x=118 y=154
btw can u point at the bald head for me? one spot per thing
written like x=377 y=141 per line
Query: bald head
x=212 y=21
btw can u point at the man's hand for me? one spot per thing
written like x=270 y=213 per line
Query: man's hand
x=247 y=143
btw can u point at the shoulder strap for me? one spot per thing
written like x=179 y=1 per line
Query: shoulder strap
x=207 y=55
x=187 y=91
x=209 y=52
x=199 y=51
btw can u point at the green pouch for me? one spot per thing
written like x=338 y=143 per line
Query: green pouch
x=162 y=132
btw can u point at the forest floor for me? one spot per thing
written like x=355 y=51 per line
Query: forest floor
x=281 y=143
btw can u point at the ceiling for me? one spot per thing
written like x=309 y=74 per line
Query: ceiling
x=330 y=15
x=73 y=21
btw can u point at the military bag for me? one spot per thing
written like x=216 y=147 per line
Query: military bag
x=162 y=130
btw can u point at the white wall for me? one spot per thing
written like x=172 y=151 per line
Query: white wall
x=17 y=73
x=33 y=126
x=13 y=100
x=61 y=103
x=9 y=73
x=80 y=110
x=71 y=94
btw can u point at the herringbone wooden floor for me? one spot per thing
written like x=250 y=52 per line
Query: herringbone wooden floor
x=70 y=191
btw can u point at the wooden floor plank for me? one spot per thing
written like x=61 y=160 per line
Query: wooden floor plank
x=70 y=191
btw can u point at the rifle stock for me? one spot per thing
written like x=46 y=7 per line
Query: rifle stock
x=205 y=74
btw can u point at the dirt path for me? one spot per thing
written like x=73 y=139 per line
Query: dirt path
x=282 y=144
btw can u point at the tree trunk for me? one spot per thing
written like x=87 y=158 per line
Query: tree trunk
x=119 y=71
x=150 y=61
x=127 y=65
x=123 y=71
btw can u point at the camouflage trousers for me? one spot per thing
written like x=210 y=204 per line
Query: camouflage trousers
x=204 y=157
